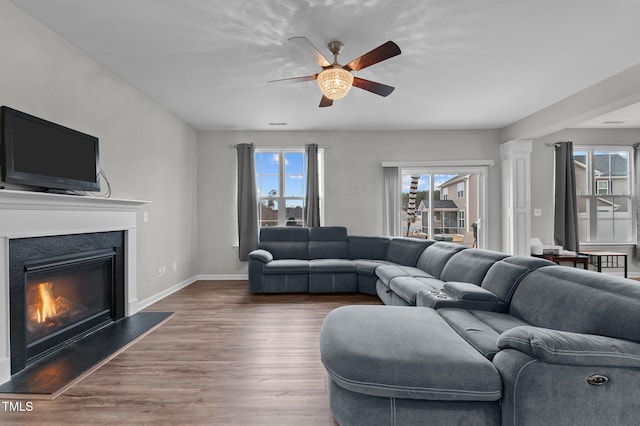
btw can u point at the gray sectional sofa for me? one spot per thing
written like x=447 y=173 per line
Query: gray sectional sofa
x=473 y=337
x=324 y=260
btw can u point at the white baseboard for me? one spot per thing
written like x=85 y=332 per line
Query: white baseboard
x=159 y=296
x=213 y=277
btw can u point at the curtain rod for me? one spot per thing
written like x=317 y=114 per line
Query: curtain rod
x=232 y=146
x=554 y=144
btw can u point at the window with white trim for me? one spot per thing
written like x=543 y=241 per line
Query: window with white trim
x=604 y=188
x=438 y=217
x=460 y=192
x=281 y=182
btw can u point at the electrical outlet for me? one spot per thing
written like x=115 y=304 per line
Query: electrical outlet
x=159 y=272
x=145 y=216
x=537 y=212
x=164 y=271
x=175 y=266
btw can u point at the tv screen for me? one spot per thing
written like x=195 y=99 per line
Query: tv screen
x=40 y=153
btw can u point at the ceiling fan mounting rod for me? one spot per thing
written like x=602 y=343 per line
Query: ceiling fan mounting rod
x=335 y=47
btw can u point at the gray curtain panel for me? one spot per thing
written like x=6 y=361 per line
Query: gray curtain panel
x=247 y=201
x=391 y=197
x=312 y=217
x=565 y=226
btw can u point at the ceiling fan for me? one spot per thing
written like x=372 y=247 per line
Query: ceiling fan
x=335 y=80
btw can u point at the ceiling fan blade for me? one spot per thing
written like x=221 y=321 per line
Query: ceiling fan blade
x=308 y=47
x=325 y=102
x=373 y=87
x=295 y=79
x=379 y=54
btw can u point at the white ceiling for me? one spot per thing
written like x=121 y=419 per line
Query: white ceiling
x=465 y=64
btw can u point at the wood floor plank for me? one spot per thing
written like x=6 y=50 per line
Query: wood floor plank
x=225 y=358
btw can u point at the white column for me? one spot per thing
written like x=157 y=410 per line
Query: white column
x=516 y=197
x=131 y=272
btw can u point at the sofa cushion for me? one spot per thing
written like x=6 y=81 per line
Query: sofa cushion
x=374 y=248
x=480 y=328
x=388 y=272
x=468 y=291
x=328 y=242
x=368 y=267
x=504 y=276
x=579 y=301
x=407 y=287
x=319 y=266
x=434 y=258
x=564 y=347
x=286 y=266
x=285 y=242
x=404 y=352
x=470 y=266
x=405 y=251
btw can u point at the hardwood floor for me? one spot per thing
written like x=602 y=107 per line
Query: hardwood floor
x=226 y=358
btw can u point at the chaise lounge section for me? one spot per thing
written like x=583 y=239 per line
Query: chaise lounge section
x=565 y=352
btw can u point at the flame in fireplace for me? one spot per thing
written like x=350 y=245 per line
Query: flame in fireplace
x=48 y=303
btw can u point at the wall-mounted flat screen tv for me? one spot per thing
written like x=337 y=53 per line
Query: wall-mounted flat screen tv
x=39 y=153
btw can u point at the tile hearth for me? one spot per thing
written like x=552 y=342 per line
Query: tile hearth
x=49 y=377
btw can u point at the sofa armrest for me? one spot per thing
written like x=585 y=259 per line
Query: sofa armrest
x=468 y=291
x=440 y=299
x=261 y=255
x=563 y=347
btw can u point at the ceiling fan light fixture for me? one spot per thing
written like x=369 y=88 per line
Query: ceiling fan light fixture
x=335 y=82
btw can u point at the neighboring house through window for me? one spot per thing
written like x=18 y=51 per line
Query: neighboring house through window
x=281 y=181
x=461 y=222
x=439 y=216
x=604 y=187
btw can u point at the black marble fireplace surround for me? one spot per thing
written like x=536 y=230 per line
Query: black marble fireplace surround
x=87 y=271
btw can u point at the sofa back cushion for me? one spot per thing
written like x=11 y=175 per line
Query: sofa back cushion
x=374 y=248
x=405 y=251
x=470 y=266
x=579 y=301
x=285 y=242
x=328 y=242
x=436 y=256
x=504 y=276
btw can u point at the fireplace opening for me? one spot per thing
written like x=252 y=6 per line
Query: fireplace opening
x=65 y=298
x=62 y=288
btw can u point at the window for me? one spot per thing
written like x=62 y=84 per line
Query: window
x=605 y=194
x=460 y=193
x=281 y=181
x=438 y=217
x=602 y=187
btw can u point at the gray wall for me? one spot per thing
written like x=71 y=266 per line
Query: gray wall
x=353 y=179
x=147 y=152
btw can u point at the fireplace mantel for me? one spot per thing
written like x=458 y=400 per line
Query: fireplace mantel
x=26 y=214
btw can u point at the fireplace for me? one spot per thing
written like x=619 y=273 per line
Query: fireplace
x=62 y=288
